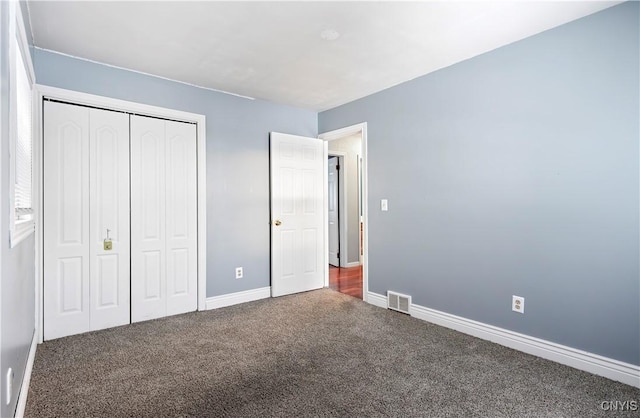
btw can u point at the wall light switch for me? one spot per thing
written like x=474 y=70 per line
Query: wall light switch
x=384 y=205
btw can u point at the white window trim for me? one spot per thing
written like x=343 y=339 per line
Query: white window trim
x=18 y=229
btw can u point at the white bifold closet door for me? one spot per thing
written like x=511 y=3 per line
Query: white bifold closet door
x=164 y=218
x=86 y=193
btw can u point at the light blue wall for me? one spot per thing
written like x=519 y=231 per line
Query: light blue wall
x=17 y=283
x=237 y=157
x=516 y=173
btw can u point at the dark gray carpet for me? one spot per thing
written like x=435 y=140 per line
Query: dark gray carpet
x=313 y=354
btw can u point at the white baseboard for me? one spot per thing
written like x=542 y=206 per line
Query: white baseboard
x=24 y=388
x=238 y=297
x=593 y=363
x=377 y=300
x=352 y=264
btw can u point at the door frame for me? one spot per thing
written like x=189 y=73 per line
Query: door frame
x=329 y=136
x=74 y=97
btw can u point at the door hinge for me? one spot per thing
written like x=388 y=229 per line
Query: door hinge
x=338 y=256
x=337 y=167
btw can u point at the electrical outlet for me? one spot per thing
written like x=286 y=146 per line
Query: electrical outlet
x=384 y=205
x=517 y=304
x=239 y=273
x=9 y=386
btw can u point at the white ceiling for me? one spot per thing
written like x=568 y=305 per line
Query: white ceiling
x=274 y=50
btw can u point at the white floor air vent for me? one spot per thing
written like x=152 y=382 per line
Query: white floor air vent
x=398 y=302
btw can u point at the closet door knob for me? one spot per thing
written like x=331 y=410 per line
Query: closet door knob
x=277 y=223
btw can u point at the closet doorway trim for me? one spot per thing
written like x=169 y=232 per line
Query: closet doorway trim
x=41 y=93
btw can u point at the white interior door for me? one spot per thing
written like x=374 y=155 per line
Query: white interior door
x=333 y=211
x=297 y=209
x=109 y=218
x=66 y=220
x=163 y=214
x=148 y=270
x=181 y=216
x=86 y=191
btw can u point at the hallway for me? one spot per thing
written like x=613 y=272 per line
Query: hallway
x=346 y=280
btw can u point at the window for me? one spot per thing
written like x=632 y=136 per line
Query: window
x=21 y=151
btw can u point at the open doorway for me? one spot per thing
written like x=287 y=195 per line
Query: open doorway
x=334 y=208
x=346 y=210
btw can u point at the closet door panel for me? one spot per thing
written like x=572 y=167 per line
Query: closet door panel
x=120 y=218
x=148 y=247
x=109 y=208
x=66 y=220
x=181 y=216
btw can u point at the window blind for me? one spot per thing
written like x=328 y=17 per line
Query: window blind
x=23 y=153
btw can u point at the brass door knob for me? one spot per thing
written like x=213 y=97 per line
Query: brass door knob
x=277 y=223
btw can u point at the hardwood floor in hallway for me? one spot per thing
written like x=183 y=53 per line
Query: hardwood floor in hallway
x=346 y=280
